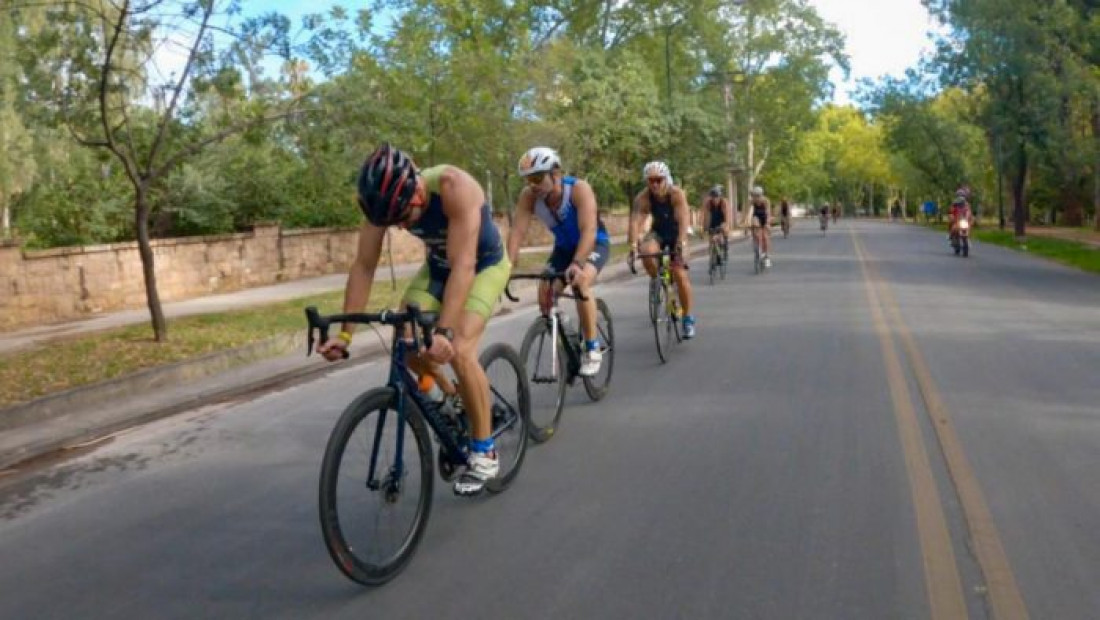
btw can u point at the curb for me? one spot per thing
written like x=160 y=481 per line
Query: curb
x=85 y=414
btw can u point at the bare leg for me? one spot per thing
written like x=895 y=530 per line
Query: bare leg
x=473 y=385
x=650 y=264
x=683 y=288
x=586 y=310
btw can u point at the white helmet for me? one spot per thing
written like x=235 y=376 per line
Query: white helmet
x=656 y=169
x=757 y=191
x=539 y=159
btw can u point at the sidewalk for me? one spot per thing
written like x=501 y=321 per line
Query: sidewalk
x=85 y=414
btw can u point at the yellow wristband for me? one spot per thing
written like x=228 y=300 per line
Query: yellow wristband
x=345 y=336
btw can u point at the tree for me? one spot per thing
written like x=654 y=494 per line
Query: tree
x=1024 y=56
x=112 y=97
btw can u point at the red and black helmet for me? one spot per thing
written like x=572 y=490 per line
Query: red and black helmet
x=387 y=182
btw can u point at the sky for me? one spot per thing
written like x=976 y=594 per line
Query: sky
x=884 y=37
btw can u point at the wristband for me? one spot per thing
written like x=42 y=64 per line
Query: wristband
x=345 y=336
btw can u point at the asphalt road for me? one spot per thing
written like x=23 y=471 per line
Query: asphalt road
x=872 y=429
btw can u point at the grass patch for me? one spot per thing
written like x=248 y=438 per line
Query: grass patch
x=92 y=358
x=83 y=360
x=1073 y=253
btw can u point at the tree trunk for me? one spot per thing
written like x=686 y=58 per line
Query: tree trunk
x=148 y=269
x=1019 y=189
x=1073 y=209
x=1096 y=164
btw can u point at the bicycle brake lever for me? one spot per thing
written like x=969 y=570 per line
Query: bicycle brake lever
x=508 y=293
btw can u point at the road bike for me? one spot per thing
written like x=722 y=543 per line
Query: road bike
x=757 y=249
x=375 y=491
x=551 y=352
x=719 y=252
x=664 y=307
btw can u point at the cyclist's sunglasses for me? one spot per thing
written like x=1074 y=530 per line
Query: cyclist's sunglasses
x=535 y=179
x=655 y=180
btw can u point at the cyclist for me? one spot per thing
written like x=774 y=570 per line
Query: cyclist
x=567 y=206
x=717 y=216
x=824 y=216
x=785 y=216
x=761 y=219
x=465 y=272
x=668 y=206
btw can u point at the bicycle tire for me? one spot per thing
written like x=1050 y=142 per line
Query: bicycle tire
x=510 y=405
x=350 y=556
x=715 y=262
x=725 y=259
x=676 y=315
x=547 y=399
x=654 y=298
x=662 y=326
x=596 y=386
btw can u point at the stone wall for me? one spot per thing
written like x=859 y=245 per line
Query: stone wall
x=59 y=284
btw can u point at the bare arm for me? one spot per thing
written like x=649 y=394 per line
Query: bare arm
x=705 y=210
x=521 y=218
x=638 y=214
x=361 y=273
x=584 y=201
x=462 y=201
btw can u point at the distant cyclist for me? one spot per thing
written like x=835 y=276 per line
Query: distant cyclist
x=567 y=206
x=761 y=219
x=717 y=215
x=668 y=206
x=785 y=216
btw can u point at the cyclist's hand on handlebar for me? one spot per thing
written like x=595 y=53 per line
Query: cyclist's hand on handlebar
x=572 y=272
x=333 y=349
x=441 y=351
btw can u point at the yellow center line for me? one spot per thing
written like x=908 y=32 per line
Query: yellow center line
x=941 y=574
x=1003 y=593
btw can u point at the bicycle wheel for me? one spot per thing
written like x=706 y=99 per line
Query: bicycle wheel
x=655 y=300
x=756 y=260
x=371 y=526
x=713 y=267
x=597 y=386
x=510 y=403
x=675 y=316
x=546 y=379
x=662 y=326
x=725 y=259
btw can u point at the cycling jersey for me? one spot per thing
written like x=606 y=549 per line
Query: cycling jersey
x=717 y=213
x=564 y=222
x=664 y=219
x=432 y=229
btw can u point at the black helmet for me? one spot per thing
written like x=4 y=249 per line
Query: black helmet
x=387 y=182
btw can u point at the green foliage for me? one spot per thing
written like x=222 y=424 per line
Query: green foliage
x=477 y=82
